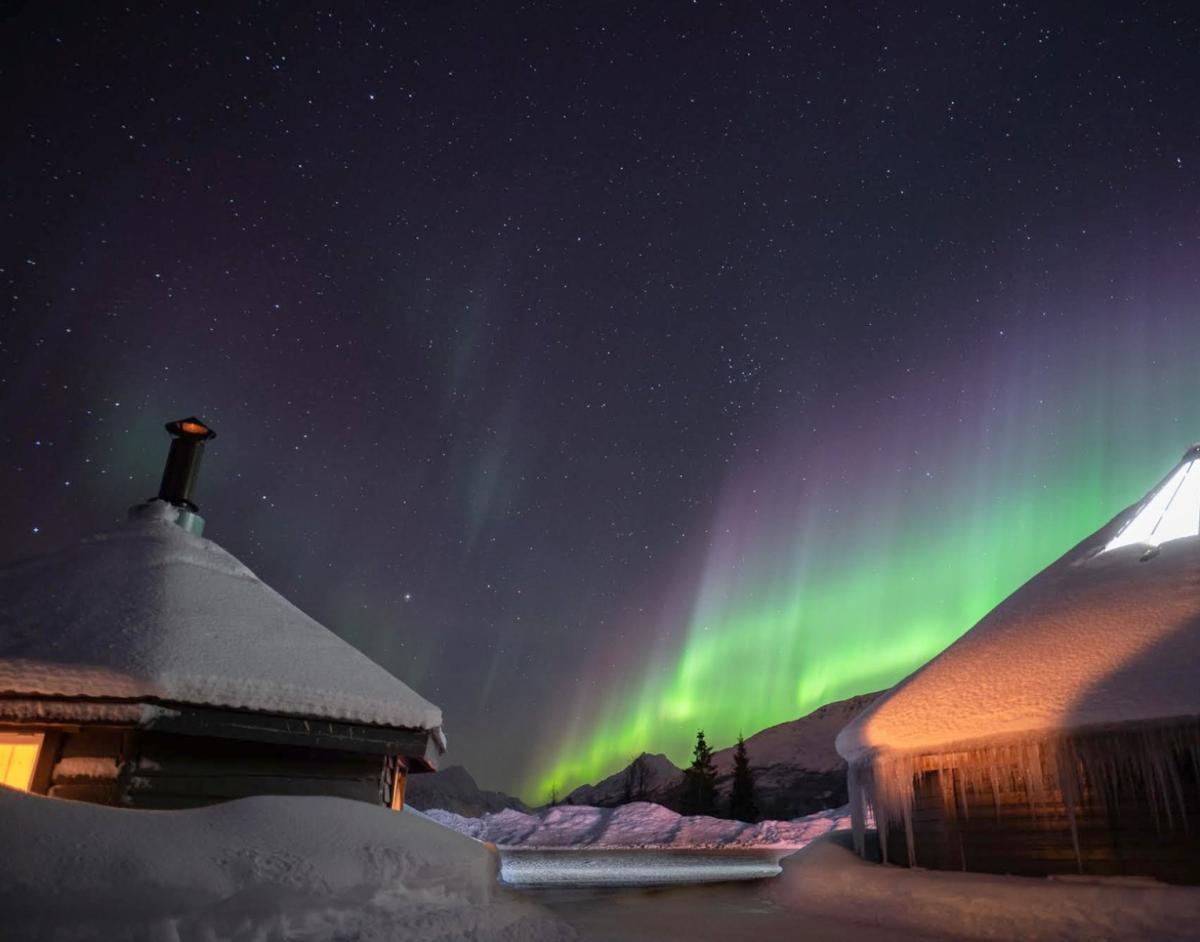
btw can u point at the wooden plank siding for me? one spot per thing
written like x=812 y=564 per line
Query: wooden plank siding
x=194 y=769
x=1003 y=831
x=416 y=745
x=205 y=757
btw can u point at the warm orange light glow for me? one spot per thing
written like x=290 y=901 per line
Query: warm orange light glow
x=193 y=428
x=18 y=758
x=398 y=788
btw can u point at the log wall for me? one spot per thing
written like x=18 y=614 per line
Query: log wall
x=124 y=765
x=183 y=771
x=1001 y=830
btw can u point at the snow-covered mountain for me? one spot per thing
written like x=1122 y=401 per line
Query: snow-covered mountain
x=453 y=789
x=797 y=771
x=639 y=824
x=649 y=777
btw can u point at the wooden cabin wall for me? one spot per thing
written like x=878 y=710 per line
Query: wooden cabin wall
x=114 y=765
x=1003 y=832
x=172 y=771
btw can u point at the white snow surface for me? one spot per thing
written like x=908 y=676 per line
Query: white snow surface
x=86 y=767
x=638 y=824
x=150 y=612
x=1095 y=639
x=257 y=869
x=871 y=901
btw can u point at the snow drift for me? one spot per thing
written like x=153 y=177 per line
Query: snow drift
x=873 y=901
x=254 y=869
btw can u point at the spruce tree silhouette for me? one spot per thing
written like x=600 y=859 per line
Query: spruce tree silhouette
x=742 y=806
x=700 y=785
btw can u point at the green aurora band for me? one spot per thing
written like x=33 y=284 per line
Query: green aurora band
x=832 y=575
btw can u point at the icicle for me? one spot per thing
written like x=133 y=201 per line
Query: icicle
x=858 y=816
x=1074 y=772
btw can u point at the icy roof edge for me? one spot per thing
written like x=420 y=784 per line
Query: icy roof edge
x=864 y=754
x=849 y=744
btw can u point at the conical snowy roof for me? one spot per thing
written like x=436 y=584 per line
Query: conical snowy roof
x=1109 y=634
x=148 y=612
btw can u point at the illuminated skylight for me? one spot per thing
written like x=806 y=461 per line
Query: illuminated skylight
x=1172 y=512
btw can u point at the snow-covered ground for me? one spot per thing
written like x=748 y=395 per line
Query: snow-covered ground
x=828 y=894
x=329 y=870
x=640 y=824
x=254 y=870
x=829 y=880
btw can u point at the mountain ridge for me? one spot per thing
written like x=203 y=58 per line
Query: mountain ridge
x=797 y=770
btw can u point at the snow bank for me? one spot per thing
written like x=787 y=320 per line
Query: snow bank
x=256 y=869
x=640 y=824
x=829 y=880
x=150 y=612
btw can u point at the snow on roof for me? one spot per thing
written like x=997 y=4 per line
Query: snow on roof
x=1170 y=511
x=1106 y=635
x=150 y=612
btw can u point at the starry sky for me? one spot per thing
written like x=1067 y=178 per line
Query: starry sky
x=605 y=370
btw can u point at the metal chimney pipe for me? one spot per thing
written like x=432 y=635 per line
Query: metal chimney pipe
x=183 y=469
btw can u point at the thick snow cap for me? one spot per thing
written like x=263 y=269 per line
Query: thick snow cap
x=148 y=612
x=1109 y=634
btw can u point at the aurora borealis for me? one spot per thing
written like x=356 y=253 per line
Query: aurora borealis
x=846 y=577
x=606 y=372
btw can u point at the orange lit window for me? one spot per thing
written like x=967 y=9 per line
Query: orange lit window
x=18 y=756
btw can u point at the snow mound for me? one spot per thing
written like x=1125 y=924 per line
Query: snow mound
x=151 y=612
x=875 y=901
x=1096 y=639
x=254 y=869
x=640 y=824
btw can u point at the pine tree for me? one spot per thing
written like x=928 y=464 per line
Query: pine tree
x=700 y=785
x=741 y=800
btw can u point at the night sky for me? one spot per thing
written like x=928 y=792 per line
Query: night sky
x=606 y=371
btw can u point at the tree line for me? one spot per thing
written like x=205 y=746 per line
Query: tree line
x=700 y=783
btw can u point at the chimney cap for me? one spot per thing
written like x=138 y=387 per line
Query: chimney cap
x=191 y=428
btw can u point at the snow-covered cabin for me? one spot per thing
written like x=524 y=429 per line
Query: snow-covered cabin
x=1062 y=732
x=147 y=667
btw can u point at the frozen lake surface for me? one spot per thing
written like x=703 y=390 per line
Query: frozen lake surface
x=634 y=867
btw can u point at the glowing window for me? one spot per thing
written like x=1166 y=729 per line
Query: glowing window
x=18 y=757
x=1172 y=512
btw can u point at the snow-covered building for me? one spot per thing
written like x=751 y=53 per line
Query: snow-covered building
x=147 y=667
x=1062 y=732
